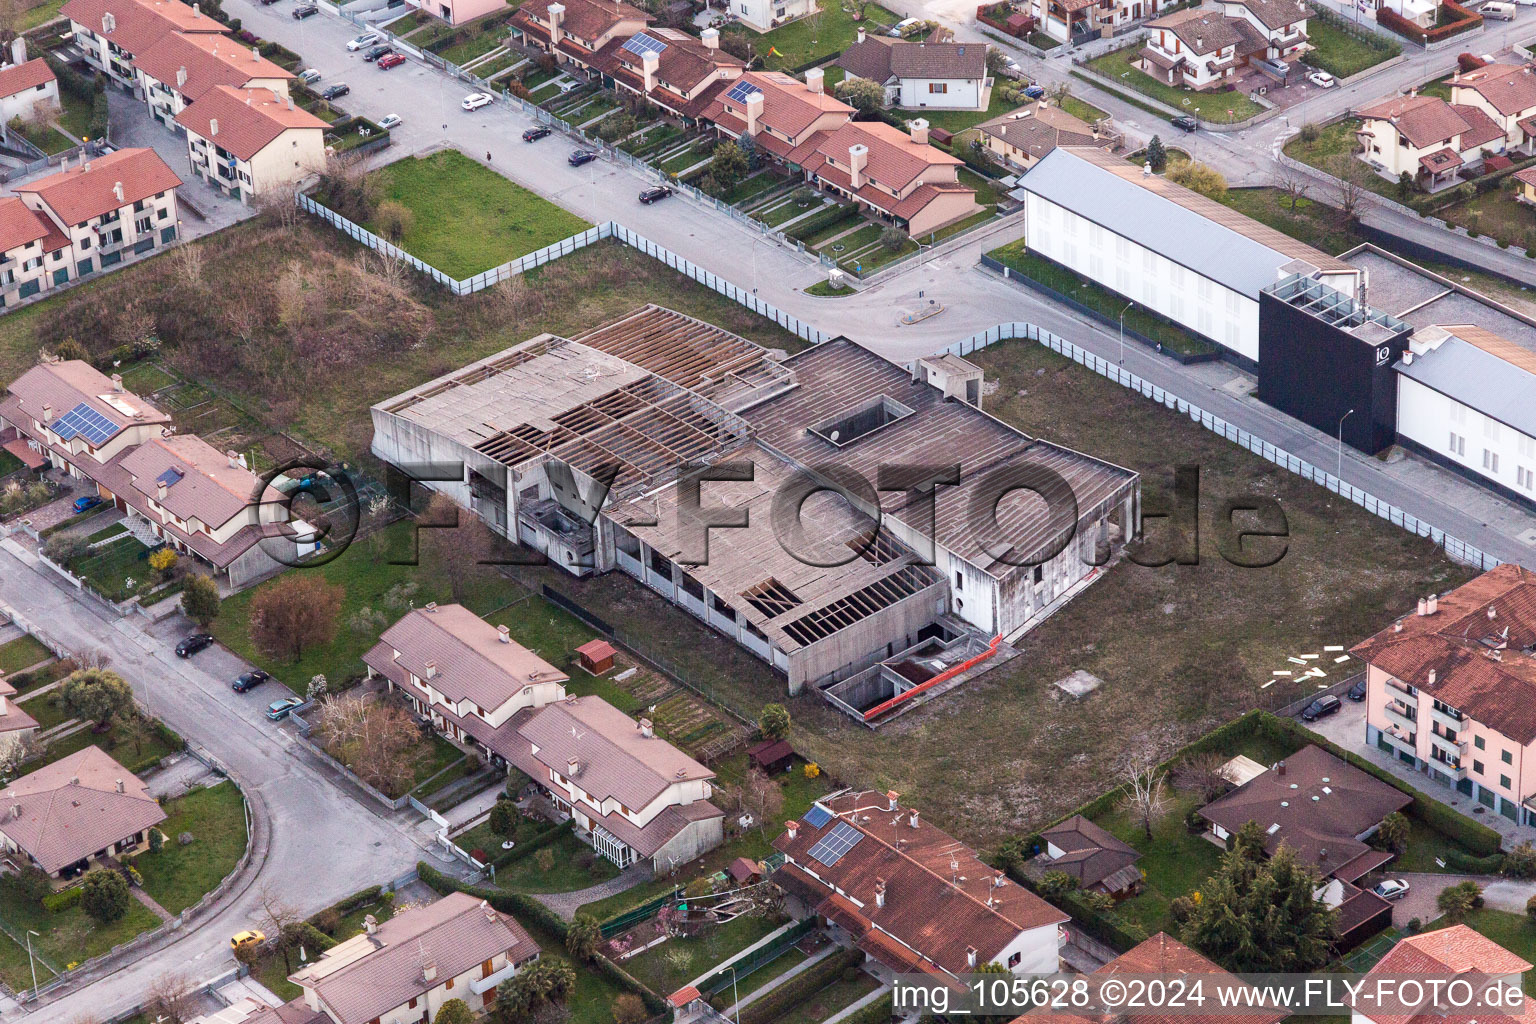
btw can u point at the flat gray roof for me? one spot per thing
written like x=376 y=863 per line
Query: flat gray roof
x=1479 y=379
x=1412 y=294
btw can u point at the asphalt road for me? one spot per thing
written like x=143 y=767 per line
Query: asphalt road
x=325 y=843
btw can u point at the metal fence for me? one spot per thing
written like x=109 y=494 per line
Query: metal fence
x=734 y=970
x=645 y=911
x=1456 y=548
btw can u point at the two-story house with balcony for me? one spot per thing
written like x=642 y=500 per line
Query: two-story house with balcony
x=575 y=30
x=669 y=68
x=112 y=208
x=247 y=142
x=1427 y=139
x=895 y=175
x=1079 y=21
x=183 y=67
x=1452 y=690
x=774 y=112
x=1199 y=48
x=1507 y=94
x=32 y=251
x=403 y=970
x=921 y=73
x=110 y=33
x=28 y=88
x=1282 y=24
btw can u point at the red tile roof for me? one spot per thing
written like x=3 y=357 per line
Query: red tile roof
x=19 y=225
x=67 y=810
x=15 y=78
x=1510 y=88
x=588 y=19
x=894 y=160
x=1452 y=951
x=789 y=105
x=207 y=59
x=248 y=119
x=1422 y=120
x=1202 y=30
x=140 y=23
x=87 y=189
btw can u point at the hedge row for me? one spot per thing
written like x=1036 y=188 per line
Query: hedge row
x=1492 y=864
x=361 y=898
x=1466 y=20
x=824 y=219
x=535 y=915
x=779 y=1001
x=881 y=1011
x=58 y=902
x=517 y=853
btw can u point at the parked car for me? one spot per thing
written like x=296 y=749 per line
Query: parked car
x=652 y=195
x=389 y=121
x=309 y=76
x=476 y=100
x=1186 y=122
x=268 y=3
x=1321 y=708
x=86 y=503
x=1357 y=692
x=391 y=60
x=1034 y=92
x=1501 y=11
x=194 y=643
x=304 y=10
x=366 y=39
x=536 y=133
x=249 y=681
x=336 y=91
x=1322 y=79
x=247 y=938
x=278 y=709
x=581 y=156
x=377 y=52
x=1391 y=888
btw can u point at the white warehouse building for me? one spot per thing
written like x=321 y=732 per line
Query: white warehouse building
x=1165 y=247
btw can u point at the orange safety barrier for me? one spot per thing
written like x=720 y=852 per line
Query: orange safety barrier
x=949 y=673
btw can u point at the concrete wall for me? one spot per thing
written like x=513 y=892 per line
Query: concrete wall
x=869 y=640
x=1484 y=447
x=958 y=94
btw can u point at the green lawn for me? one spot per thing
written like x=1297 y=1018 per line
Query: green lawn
x=1098 y=298
x=821 y=35
x=178 y=876
x=64 y=939
x=40 y=15
x=23 y=652
x=837 y=996
x=45 y=137
x=76 y=118
x=1315 y=223
x=1332 y=140
x=1220 y=107
x=9 y=464
x=1496 y=213
x=824 y=290
x=47 y=708
x=745 y=986
x=1342 y=53
x=118 y=570
x=468 y=218
x=116 y=529
x=1175 y=861
x=704 y=950
x=957 y=121
x=1082 y=109
x=479 y=46
x=566 y=874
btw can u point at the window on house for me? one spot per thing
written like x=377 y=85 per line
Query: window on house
x=1479 y=743
x=1524 y=477
x=1477 y=766
x=1506 y=757
x=1504 y=781
x=938 y=87
x=1458 y=445
x=1039 y=574
x=1490 y=461
x=959 y=580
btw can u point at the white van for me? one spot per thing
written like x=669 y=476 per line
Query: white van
x=1501 y=11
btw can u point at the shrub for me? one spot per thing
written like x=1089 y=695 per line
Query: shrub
x=58 y=902
x=628 y=1008
x=1057 y=883
x=30 y=883
x=1414 y=924
x=105 y=895
x=1309 y=133
x=394 y=219
x=1520 y=862
x=163 y=561
x=328 y=920
x=1180 y=908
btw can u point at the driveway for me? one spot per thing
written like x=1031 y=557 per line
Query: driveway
x=325 y=843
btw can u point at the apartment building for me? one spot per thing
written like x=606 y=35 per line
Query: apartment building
x=110 y=33
x=403 y=970
x=669 y=68
x=631 y=795
x=199 y=501
x=183 y=67
x=1452 y=690
x=1021 y=138
x=28 y=88
x=919 y=73
x=1507 y=94
x=575 y=30
x=252 y=141
x=909 y=895
x=1427 y=139
x=94 y=215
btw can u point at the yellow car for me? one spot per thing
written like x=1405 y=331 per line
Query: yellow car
x=247 y=938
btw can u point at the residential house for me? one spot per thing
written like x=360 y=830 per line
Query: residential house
x=631 y=795
x=250 y=142
x=403 y=970
x=762 y=15
x=1323 y=809
x=910 y=895
x=575 y=30
x=1079 y=21
x=774 y=112
x=671 y=69
x=1200 y=47
x=1507 y=94
x=12 y=718
x=920 y=73
x=457 y=12
x=199 y=501
x=1452 y=690
x=1022 y=137
x=1096 y=860
x=1426 y=138
x=1526 y=176
x=110 y=33
x=85 y=218
x=1281 y=23
x=183 y=67
x=1423 y=13
x=82 y=811
x=28 y=88
x=1485 y=969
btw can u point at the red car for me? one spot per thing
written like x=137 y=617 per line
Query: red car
x=390 y=60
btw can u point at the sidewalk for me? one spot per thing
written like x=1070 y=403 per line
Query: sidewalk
x=822 y=954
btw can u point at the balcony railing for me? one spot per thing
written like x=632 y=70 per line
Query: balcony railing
x=1402 y=716
x=1454 y=722
x=1402 y=688
x=1408 y=745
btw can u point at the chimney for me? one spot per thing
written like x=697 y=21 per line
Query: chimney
x=1408 y=358
x=861 y=33
x=649 y=62
x=74 y=780
x=234 y=459
x=15 y=810
x=120 y=786
x=918 y=127
x=117 y=382
x=503 y=634
x=290 y=102
x=970 y=956
x=1146 y=170
x=1397 y=627
x=160 y=489
x=431 y=670
x=19 y=50
x=117 y=190
x=181 y=76
x=571 y=767
x=815 y=80
x=430 y=607
x=890 y=797
x=1280 y=769
x=710 y=37
x=754 y=111
x=1423 y=607
x=1432 y=604
x=556 y=15
x=879 y=892
x=912 y=819
x=793 y=828
x=429 y=971
x=255 y=56
x=998 y=878
x=370 y=924
x=213 y=127
x=108 y=23
x=646 y=729
x=47 y=413
x=857 y=155
x=1431 y=677
x=85 y=165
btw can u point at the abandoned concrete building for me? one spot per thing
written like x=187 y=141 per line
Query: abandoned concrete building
x=871 y=596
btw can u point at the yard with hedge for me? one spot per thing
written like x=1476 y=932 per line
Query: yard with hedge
x=178 y=876
x=1216 y=106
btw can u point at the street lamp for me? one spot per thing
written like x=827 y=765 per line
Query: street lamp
x=1124 y=311
x=31 y=961
x=1340 y=470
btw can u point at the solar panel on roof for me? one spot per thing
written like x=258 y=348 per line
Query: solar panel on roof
x=641 y=44
x=741 y=90
x=830 y=848
x=817 y=816
x=83 y=421
x=169 y=478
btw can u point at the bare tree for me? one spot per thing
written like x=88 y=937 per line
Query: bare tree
x=93 y=658
x=280 y=920
x=169 y=998
x=762 y=796
x=277 y=208
x=295 y=613
x=379 y=741
x=16 y=749
x=1292 y=184
x=1145 y=790
x=1351 y=193
x=186 y=258
x=1202 y=774
x=453 y=542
